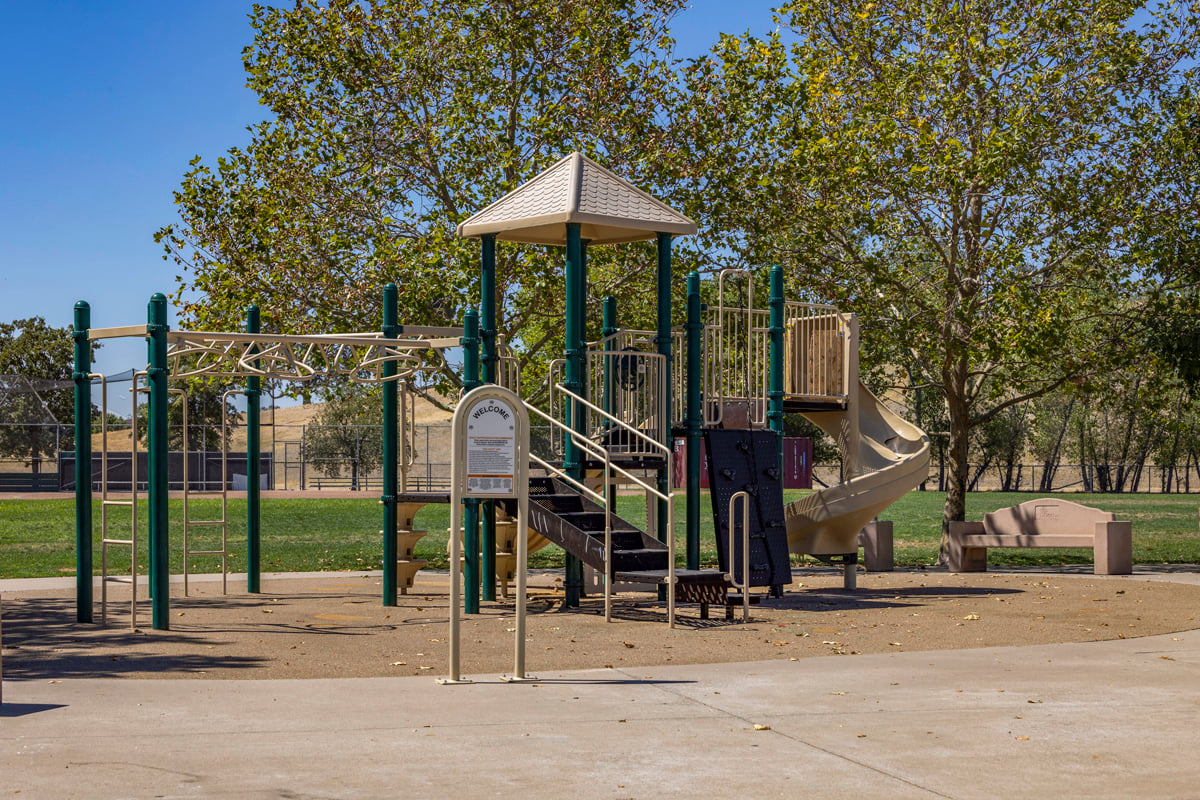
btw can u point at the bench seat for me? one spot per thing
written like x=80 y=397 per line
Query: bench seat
x=1045 y=522
x=1029 y=540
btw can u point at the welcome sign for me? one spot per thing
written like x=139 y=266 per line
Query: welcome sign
x=491 y=450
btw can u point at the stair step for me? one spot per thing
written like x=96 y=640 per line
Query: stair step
x=622 y=540
x=694 y=577
x=585 y=520
x=640 y=558
x=559 y=503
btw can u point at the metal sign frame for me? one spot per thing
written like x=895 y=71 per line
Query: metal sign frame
x=477 y=402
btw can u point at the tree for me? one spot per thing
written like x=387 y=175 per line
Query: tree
x=393 y=121
x=1173 y=245
x=211 y=418
x=346 y=431
x=39 y=408
x=968 y=177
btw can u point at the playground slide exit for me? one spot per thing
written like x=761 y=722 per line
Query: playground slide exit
x=885 y=458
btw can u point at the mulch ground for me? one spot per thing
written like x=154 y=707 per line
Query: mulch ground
x=337 y=626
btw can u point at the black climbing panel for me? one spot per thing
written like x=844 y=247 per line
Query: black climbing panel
x=748 y=460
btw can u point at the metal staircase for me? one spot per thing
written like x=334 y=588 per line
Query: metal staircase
x=586 y=530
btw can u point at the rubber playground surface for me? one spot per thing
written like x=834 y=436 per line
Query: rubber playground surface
x=330 y=625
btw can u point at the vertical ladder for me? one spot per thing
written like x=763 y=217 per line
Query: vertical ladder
x=106 y=502
x=188 y=494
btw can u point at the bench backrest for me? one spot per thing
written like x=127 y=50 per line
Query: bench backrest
x=1047 y=515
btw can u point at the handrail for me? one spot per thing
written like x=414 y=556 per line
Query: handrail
x=601 y=498
x=731 y=577
x=669 y=499
x=620 y=424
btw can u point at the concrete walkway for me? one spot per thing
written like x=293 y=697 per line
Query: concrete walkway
x=1113 y=719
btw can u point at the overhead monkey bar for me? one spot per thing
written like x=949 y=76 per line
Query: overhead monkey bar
x=396 y=353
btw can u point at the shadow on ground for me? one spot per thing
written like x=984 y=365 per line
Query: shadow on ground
x=43 y=640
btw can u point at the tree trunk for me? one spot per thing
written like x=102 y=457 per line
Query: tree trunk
x=1051 y=464
x=956 y=490
x=980 y=471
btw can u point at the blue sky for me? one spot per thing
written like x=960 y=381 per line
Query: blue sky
x=105 y=103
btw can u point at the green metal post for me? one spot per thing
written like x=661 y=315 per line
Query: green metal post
x=775 y=379
x=157 y=449
x=609 y=328
x=83 y=462
x=695 y=331
x=664 y=348
x=470 y=565
x=575 y=301
x=253 y=467
x=490 y=357
x=390 y=448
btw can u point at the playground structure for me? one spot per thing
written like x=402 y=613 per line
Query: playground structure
x=615 y=406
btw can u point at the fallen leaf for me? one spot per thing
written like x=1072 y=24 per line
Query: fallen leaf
x=1022 y=738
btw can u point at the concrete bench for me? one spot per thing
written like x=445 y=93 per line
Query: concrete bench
x=1048 y=522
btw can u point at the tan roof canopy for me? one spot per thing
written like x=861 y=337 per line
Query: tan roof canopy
x=608 y=209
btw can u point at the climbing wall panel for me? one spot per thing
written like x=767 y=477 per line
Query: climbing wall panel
x=748 y=460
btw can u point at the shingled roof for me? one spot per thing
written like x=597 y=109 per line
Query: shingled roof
x=608 y=209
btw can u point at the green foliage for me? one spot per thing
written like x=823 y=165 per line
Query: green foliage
x=346 y=431
x=1172 y=242
x=211 y=417
x=963 y=178
x=31 y=407
x=391 y=122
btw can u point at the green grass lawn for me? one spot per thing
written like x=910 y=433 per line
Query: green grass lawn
x=37 y=537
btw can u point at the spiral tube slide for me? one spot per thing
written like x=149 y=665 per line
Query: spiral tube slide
x=885 y=456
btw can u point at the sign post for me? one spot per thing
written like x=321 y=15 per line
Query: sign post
x=490 y=434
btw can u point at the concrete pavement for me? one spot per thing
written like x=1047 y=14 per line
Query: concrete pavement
x=1109 y=719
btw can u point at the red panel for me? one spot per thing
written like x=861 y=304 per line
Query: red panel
x=680 y=465
x=797 y=463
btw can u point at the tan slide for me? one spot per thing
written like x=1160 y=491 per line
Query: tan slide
x=884 y=457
